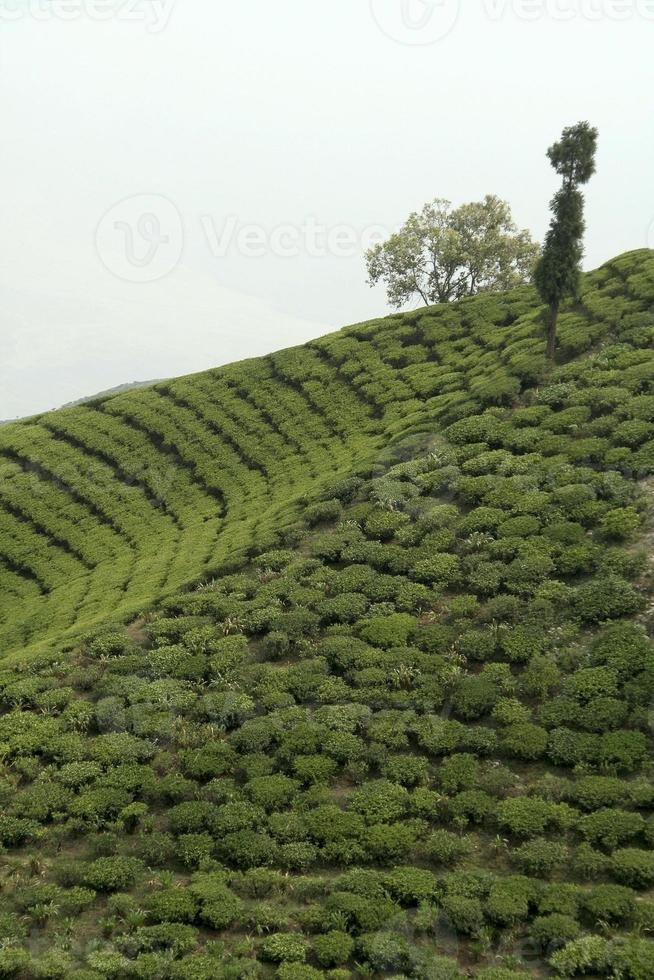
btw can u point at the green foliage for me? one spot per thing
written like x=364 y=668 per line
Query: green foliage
x=110 y=874
x=333 y=948
x=463 y=913
x=445 y=848
x=525 y=741
x=558 y=270
x=389 y=631
x=633 y=867
x=385 y=951
x=284 y=948
x=169 y=936
x=380 y=800
x=13 y=961
x=606 y=597
x=611 y=827
x=595 y=792
x=540 y=857
x=173 y=905
x=312 y=739
x=508 y=900
x=551 y=931
x=588 y=954
x=442 y=254
x=529 y=816
x=610 y=903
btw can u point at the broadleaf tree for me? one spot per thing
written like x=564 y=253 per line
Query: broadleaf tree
x=558 y=269
x=442 y=254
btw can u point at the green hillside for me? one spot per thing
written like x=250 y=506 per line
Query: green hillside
x=106 y=505
x=337 y=663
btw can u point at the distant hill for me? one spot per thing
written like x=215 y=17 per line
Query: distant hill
x=117 y=390
x=129 y=386
x=339 y=662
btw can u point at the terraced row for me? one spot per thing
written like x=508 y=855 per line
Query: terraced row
x=106 y=505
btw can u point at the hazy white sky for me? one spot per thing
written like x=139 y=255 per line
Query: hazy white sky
x=189 y=182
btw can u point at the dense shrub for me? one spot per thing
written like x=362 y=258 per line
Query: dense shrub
x=440 y=570
x=633 y=958
x=610 y=827
x=444 y=847
x=609 y=903
x=475 y=696
x=385 y=951
x=271 y=792
x=333 y=948
x=13 y=961
x=508 y=901
x=604 y=598
x=284 y=948
x=389 y=631
x=247 y=848
x=457 y=772
x=595 y=792
x=550 y=932
x=173 y=905
x=464 y=914
x=110 y=874
x=525 y=741
x=379 y=801
x=220 y=908
x=540 y=857
x=529 y=816
x=633 y=867
x=588 y=954
x=169 y=936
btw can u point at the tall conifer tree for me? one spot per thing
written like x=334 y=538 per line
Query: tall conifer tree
x=558 y=269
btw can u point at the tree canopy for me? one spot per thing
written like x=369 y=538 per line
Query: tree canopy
x=442 y=254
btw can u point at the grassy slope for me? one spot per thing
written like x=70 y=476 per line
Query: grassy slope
x=108 y=504
x=453 y=652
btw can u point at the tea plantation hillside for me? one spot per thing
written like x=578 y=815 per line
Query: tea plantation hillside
x=401 y=727
x=108 y=504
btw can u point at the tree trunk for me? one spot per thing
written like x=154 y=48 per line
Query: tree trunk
x=551 y=332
